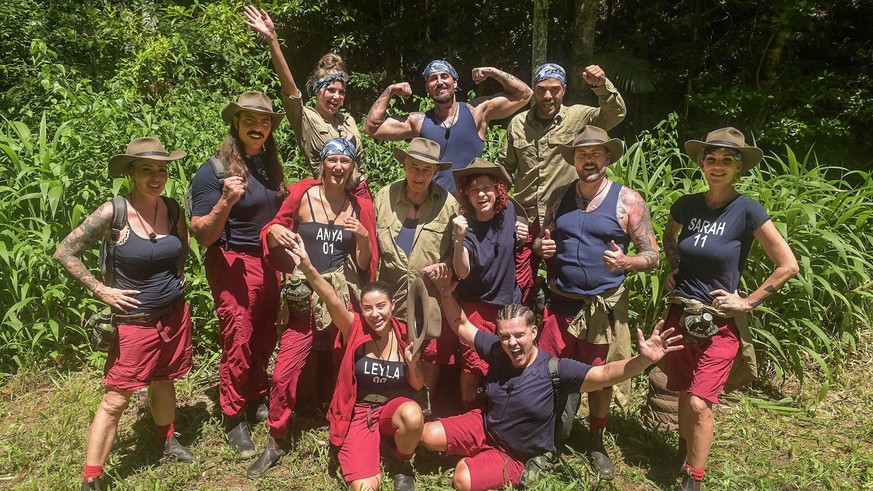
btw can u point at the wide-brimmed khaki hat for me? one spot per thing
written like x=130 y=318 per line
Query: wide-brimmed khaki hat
x=257 y=102
x=482 y=166
x=419 y=324
x=591 y=136
x=147 y=148
x=423 y=150
x=728 y=138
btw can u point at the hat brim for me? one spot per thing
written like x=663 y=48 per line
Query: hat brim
x=230 y=110
x=418 y=323
x=615 y=148
x=497 y=171
x=401 y=154
x=119 y=164
x=752 y=156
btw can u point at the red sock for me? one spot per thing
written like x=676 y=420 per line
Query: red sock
x=596 y=424
x=165 y=431
x=402 y=456
x=683 y=444
x=92 y=471
x=697 y=474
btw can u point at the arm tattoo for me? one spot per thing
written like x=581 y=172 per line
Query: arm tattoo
x=641 y=233
x=93 y=229
x=671 y=250
x=770 y=289
x=378 y=112
x=512 y=88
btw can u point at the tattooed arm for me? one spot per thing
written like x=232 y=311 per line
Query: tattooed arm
x=379 y=125
x=502 y=104
x=182 y=230
x=92 y=230
x=671 y=250
x=633 y=214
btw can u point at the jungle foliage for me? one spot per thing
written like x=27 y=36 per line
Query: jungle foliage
x=79 y=79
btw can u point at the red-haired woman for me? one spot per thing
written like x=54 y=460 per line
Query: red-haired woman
x=485 y=236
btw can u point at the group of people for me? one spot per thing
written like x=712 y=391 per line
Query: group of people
x=456 y=255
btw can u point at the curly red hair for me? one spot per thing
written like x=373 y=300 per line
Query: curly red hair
x=501 y=191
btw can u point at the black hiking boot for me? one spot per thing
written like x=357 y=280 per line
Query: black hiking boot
x=599 y=458
x=240 y=440
x=91 y=484
x=689 y=484
x=257 y=413
x=404 y=475
x=172 y=448
x=267 y=459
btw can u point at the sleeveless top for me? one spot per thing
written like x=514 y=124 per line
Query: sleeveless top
x=582 y=237
x=459 y=144
x=327 y=244
x=151 y=268
x=385 y=378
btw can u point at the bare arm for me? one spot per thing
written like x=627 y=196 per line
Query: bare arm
x=671 y=250
x=778 y=250
x=633 y=214
x=455 y=317
x=379 y=125
x=362 y=242
x=182 y=230
x=95 y=228
x=460 y=255
x=339 y=314
x=515 y=95
x=260 y=22
x=414 y=375
x=207 y=228
x=651 y=351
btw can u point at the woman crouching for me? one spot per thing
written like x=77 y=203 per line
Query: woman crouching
x=378 y=371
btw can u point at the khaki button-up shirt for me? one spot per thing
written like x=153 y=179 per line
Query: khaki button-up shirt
x=531 y=150
x=312 y=131
x=431 y=244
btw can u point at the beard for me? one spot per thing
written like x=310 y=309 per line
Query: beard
x=444 y=99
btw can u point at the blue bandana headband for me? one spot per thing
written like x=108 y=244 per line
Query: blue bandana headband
x=339 y=146
x=325 y=81
x=437 y=66
x=550 y=70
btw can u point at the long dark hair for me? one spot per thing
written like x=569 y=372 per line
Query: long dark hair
x=232 y=151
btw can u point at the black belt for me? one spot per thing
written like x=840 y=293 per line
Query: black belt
x=147 y=317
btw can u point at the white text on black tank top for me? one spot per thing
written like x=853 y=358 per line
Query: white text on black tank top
x=328 y=236
x=381 y=373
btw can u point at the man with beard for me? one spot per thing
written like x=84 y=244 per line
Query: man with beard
x=458 y=127
x=588 y=226
x=531 y=148
x=227 y=215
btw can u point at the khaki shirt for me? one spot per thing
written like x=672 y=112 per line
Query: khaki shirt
x=531 y=150
x=312 y=131
x=432 y=242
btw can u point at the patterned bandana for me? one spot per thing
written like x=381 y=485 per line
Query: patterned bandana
x=550 y=70
x=339 y=146
x=325 y=81
x=437 y=66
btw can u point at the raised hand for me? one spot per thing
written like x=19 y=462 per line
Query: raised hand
x=521 y=231
x=481 y=73
x=401 y=89
x=548 y=247
x=259 y=21
x=298 y=254
x=355 y=226
x=658 y=344
x=613 y=258
x=233 y=189
x=460 y=225
x=282 y=235
x=594 y=75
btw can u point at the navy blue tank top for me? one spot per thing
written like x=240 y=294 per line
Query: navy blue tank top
x=459 y=144
x=385 y=378
x=582 y=237
x=151 y=268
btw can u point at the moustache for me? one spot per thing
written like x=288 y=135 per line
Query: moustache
x=255 y=133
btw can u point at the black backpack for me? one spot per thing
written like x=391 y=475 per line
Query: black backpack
x=119 y=221
x=220 y=170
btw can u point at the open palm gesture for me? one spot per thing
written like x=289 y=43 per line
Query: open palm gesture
x=260 y=21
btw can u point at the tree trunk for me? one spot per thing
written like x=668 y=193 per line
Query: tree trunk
x=540 y=35
x=584 y=30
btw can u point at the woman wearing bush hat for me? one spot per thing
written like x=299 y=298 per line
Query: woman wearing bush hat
x=339 y=230
x=143 y=285
x=485 y=235
x=707 y=241
x=313 y=126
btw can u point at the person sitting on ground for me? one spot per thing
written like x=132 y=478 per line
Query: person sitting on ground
x=518 y=421
x=378 y=373
x=151 y=317
x=485 y=236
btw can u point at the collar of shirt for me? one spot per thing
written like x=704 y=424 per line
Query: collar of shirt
x=532 y=117
x=432 y=195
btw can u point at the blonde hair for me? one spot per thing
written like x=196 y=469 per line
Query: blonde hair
x=330 y=64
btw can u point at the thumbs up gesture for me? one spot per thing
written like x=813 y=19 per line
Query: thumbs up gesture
x=614 y=258
x=545 y=246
